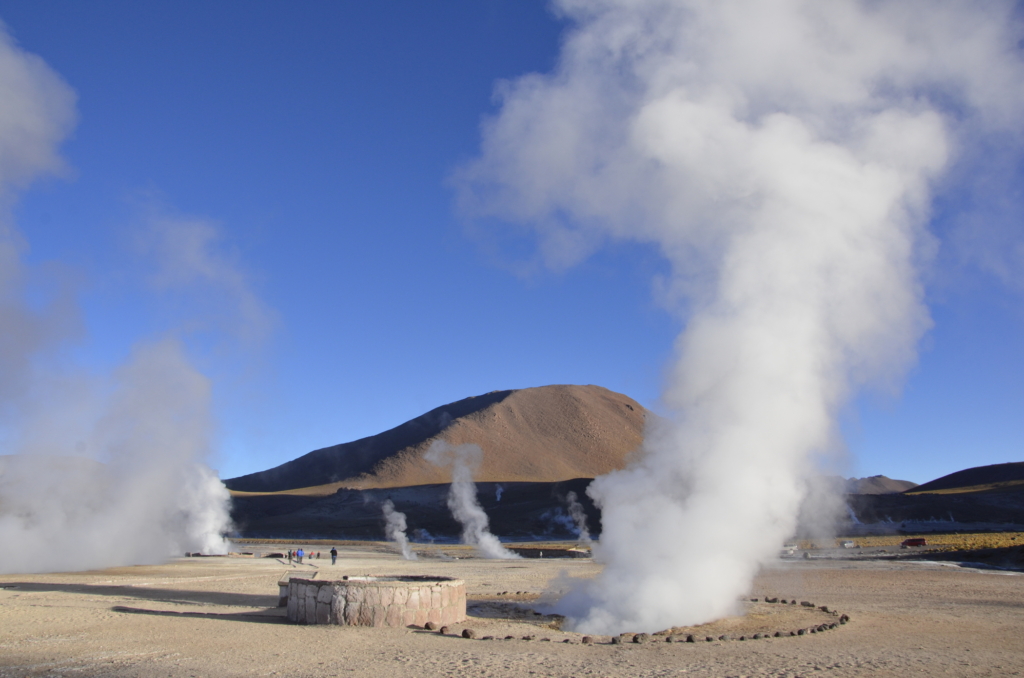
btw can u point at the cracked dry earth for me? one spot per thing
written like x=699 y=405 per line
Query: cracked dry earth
x=218 y=617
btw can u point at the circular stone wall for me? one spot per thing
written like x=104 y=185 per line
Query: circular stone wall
x=377 y=601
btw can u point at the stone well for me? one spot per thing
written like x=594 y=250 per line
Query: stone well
x=377 y=601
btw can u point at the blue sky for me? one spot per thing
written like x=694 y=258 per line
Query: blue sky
x=317 y=143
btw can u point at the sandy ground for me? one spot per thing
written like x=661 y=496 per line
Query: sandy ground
x=218 y=617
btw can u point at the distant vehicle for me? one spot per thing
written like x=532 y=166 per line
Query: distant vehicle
x=788 y=549
x=848 y=544
x=916 y=541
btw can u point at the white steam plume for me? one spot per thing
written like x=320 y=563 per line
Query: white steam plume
x=781 y=154
x=148 y=422
x=152 y=499
x=579 y=517
x=462 y=500
x=395 y=527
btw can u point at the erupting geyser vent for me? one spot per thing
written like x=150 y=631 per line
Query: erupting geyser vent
x=377 y=601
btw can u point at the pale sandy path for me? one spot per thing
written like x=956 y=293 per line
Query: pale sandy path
x=216 y=617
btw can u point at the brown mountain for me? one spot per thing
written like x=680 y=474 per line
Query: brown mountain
x=877 y=485
x=545 y=434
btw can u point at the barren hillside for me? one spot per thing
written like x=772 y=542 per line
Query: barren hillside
x=877 y=485
x=976 y=478
x=545 y=434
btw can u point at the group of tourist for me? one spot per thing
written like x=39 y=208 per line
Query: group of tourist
x=298 y=554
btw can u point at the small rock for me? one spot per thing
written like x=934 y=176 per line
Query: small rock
x=806 y=603
x=430 y=626
x=725 y=637
x=545 y=640
x=758 y=636
x=792 y=602
x=487 y=638
x=784 y=601
x=587 y=640
x=792 y=633
x=529 y=637
x=823 y=608
x=510 y=637
x=567 y=640
x=753 y=600
x=468 y=633
x=641 y=638
x=670 y=639
x=814 y=629
x=742 y=638
x=444 y=630
x=709 y=639
x=801 y=632
x=691 y=638
x=843 y=619
x=616 y=640
x=778 y=634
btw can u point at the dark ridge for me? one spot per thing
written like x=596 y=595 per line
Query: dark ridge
x=979 y=475
x=945 y=510
x=337 y=462
x=524 y=511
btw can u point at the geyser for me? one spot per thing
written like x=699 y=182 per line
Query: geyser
x=394 y=529
x=781 y=155
x=579 y=517
x=148 y=421
x=462 y=499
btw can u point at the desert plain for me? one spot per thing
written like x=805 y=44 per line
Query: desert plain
x=218 y=616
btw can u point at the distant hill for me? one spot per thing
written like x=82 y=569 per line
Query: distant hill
x=877 y=485
x=984 y=497
x=977 y=478
x=832 y=485
x=545 y=434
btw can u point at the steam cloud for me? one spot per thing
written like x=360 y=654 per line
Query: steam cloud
x=462 y=500
x=782 y=155
x=97 y=470
x=579 y=517
x=395 y=527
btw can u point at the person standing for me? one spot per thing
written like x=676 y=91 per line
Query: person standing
x=334 y=555
x=299 y=554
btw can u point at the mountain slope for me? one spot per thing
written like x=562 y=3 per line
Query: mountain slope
x=877 y=485
x=971 y=478
x=543 y=434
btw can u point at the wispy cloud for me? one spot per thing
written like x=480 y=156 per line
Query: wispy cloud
x=190 y=257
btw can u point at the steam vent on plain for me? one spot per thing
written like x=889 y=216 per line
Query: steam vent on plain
x=377 y=601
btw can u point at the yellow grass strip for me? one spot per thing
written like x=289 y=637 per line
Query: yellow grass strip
x=938 y=542
x=1008 y=485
